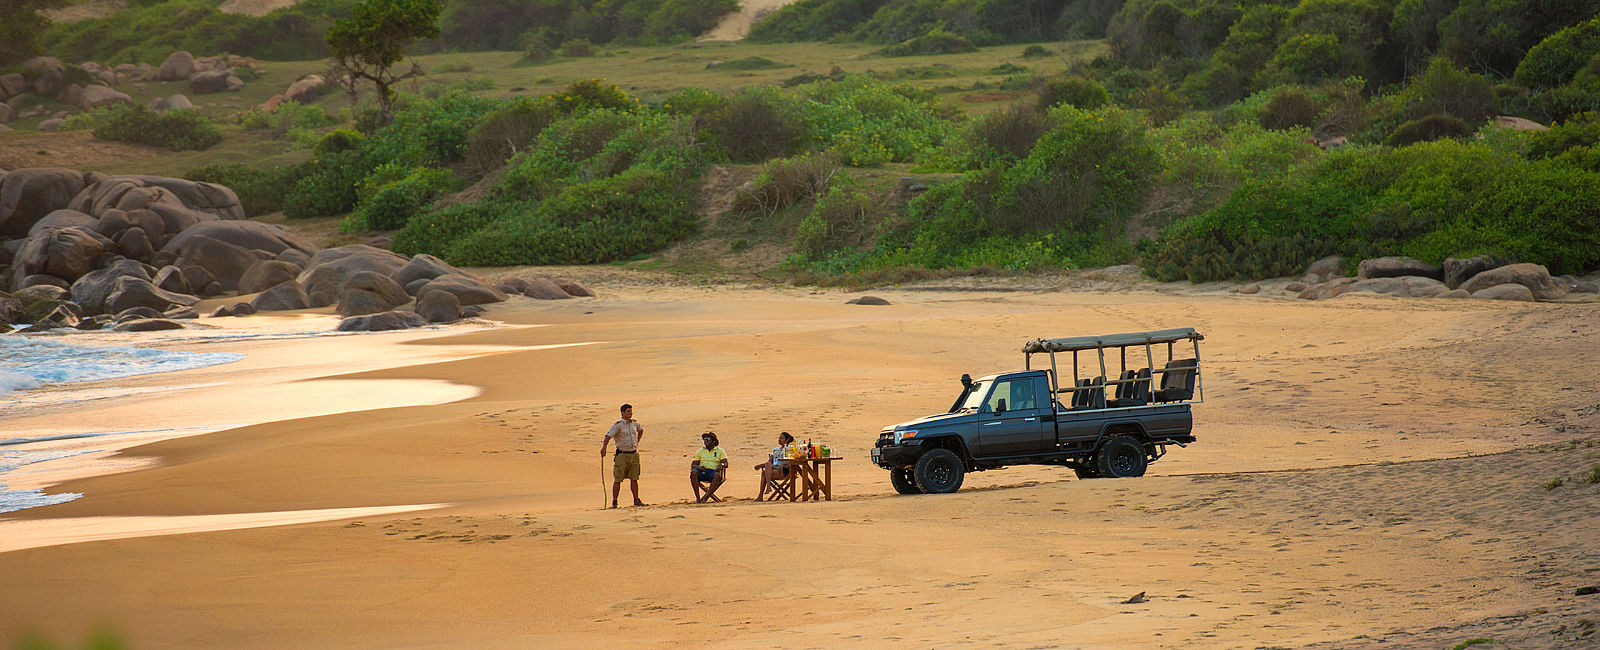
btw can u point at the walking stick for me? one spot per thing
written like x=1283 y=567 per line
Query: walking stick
x=602 y=482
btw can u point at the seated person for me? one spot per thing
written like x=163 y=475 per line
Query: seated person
x=777 y=467
x=710 y=465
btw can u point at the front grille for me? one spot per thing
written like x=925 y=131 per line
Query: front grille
x=886 y=438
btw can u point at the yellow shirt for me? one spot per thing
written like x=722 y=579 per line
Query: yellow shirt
x=710 y=458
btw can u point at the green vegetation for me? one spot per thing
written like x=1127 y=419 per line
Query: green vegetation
x=261 y=190
x=20 y=27
x=180 y=130
x=148 y=31
x=1471 y=642
x=1554 y=483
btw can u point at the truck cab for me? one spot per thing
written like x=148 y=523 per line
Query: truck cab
x=1032 y=417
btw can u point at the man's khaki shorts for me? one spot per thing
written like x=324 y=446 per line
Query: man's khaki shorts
x=625 y=466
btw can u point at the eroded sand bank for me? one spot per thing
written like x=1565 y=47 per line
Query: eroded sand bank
x=1367 y=469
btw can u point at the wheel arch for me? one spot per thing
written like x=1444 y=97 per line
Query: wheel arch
x=953 y=443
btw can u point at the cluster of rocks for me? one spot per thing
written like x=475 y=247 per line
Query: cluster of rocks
x=1481 y=277
x=91 y=251
x=90 y=85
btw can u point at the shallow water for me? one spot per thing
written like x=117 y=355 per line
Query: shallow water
x=27 y=362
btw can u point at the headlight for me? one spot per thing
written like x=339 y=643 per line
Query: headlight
x=900 y=436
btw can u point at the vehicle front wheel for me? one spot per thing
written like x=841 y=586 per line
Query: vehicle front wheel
x=939 y=471
x=903 y=480
x=1120 y=457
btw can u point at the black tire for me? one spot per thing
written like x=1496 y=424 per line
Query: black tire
x=903 y=481
x=1120 y=457
x=939 y=471
x=1086 y=471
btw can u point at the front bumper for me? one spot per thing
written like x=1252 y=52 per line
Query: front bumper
x=895 y=456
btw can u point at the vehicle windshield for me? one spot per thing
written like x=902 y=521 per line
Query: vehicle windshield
x=975 y=396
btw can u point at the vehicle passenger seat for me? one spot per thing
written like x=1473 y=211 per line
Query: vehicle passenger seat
x=1177 y=381
x=1097 y=393
x=1080 y=394
x=1127 y=391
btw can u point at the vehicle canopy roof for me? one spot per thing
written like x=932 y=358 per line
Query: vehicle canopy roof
x=1070 y=344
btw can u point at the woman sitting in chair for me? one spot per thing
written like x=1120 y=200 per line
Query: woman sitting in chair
x=777 y=467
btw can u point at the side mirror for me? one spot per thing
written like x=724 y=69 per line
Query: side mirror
x=1001 y=406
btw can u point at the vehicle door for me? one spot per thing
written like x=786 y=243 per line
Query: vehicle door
x=1019 y=428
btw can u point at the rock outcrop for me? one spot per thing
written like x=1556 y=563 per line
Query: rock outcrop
x=1532 y=276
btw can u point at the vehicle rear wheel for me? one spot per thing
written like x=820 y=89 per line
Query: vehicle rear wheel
x=903 y=481
x=939 y=471
x=1086 y=471
x=1120 y=457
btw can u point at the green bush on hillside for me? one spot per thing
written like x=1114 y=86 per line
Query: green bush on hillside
x=260 y=190
x=937 y=41
x=1077 y=91
x=1427 y=201
x=146 y=32
x=395 y=202
x=1555 y=60
x=181 y=130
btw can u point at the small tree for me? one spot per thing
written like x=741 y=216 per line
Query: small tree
x=374 y=38
x=21 y=23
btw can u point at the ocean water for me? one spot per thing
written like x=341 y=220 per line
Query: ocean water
x=31 y=362
x=28 y=363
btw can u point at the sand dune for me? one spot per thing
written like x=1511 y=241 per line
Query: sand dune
x=736 y=26
x=1368 y=469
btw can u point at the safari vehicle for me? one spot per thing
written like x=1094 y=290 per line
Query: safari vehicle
x=1020 y=418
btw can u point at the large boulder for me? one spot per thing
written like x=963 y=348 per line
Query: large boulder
x=171 y=278
x=7 y=113
x=1395 y=267
x=358 y=302
x=177 y=67
x=92 y=290
x=95 y=97
x=1325 y=269
x=224 y=261
x=66 y=253
x=331 y=267
x=206 y=83
x=1325 y=290
x=1411 y=286
x=1457 y=271
x=176 y=102
x=544 y=289
x=467 y=289
x=1533 y=276
x=135 y=244
x=180 y=203
x=387 y=289
x=28 y=194
x=1504 y=292
x=64 y=219
x=148 y=325
x=422 y=267
x=574 y=288
x=72 y=95
x=267 y=274
x=13 y=84
x=439 y=307
x=137 y=292
x=286 y=296
x=306 y=90
x=10 y=309
x=51 y=82
x=249 y=235
x=389 y=320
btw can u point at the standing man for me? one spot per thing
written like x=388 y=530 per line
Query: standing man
x=628 y=433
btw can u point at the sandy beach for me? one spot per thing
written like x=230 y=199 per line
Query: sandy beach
x=1369 y=470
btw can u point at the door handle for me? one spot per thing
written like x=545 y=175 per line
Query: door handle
x=990 y=424
x=1027 y=419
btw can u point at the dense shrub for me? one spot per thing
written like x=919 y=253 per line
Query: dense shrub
x=286 y=117
x=756 y=124
x=1290 y=108
x=1427 y=201
x=180 y=130
x=1432 y=127
x=1005 y=134
x=576 y=48
x=786 y=182
x=148 y=31
x=842 y=217
x=937 y=41
x=506 y=130
x=329 y=185
x=983 y=22
x=870 y=123
x=1037 y=52
x=260 y=190
x=395 y=202
x=1077 y=91
x=523 y=26
x=1555 y=60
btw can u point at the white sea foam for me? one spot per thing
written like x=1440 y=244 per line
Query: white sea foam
x=14 y=500
x=30 y=363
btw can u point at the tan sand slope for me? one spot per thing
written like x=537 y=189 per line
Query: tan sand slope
x=1367 y=470
x=736 y=26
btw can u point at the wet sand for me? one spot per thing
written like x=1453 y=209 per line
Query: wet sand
x=1367 y=470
